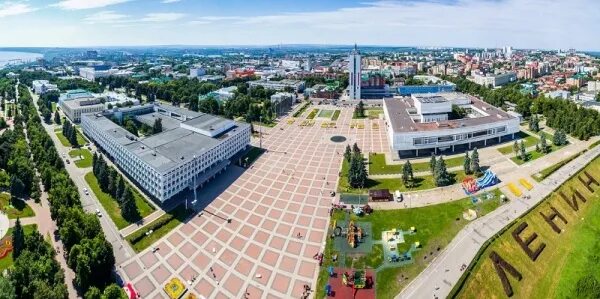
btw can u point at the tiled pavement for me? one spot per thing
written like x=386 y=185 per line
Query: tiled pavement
x=285 y=193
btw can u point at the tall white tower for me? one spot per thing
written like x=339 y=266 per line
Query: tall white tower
x=354 y=67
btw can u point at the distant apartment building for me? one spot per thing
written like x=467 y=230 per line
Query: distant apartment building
x=196 y=72
x=43 y=86
x=432 y=85
x=222 y=95
x=94 y=72
x=593 y=86
x=295 y=85
x=239 y=73
x=493 y=80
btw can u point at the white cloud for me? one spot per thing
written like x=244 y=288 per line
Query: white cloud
x=86 y=4
x=170 y=1
x=162 y=17
x=13 y=9
x=107 y=16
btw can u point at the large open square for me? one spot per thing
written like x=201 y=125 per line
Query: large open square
x=279 y=209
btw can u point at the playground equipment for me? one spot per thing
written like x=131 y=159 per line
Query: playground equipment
x=525 y=183
x=357 y=280
x=355 y=235
x=330 y=270
x=471 y=185
x=469 y=215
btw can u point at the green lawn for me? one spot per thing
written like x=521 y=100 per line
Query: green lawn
x=336 y=115
x=377 y=165
x=533 y=155
x=436 y=226
x=546 y=172
x=567 y=260
x=160 y=227
x=529 y=141
x=374 y=113
x=63 y=140
x=301 y=110
x=7 y=261
x=84 y=157
x=325 y=113
x=20 y=209
x=53 y=107
x=313 y=114
x=593 y=145
x=393 y=184
x=112 y=206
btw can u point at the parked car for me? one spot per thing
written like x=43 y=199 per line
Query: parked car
x=98 y=213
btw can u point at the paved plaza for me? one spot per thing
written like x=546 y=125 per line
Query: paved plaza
x=279 y=210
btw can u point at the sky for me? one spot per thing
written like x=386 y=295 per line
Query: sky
x=542 y=24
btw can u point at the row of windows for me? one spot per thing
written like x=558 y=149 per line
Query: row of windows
x=458 y=137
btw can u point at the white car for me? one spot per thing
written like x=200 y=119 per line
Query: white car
x=98 y=213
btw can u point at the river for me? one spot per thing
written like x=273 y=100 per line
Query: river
x=10 y=57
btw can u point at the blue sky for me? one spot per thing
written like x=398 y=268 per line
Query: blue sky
x=478 y=23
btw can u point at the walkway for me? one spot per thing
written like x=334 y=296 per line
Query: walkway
x=442 y=274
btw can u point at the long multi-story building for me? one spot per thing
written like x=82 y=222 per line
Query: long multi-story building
x=295 y=85
x=43 y=86
x=426 y=123
x=193 y=148
x=493 y=80
x=74 y=103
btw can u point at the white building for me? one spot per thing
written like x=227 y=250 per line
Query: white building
x=593 y=86
x=193 y=149
x=73 y=109
x=196 y=72
x=424 y=123
x=493 y=80
x=296 y=85
x=354 y=68
x=90 y=73
x=283 y=102
x=43 y=86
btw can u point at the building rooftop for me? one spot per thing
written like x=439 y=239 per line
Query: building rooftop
x=402 y=110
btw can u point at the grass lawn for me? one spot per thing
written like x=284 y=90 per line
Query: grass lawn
x=313 y=114
x=393 y=184
x=301 y=110
x=20 y=209
x=546 y=172
x=436 y=226
x=160 y=227
x=593 y=145
x=53 y=107
x=112 y=206
x=374 y=113
x=325 y=113
x=7 y=261
x=532 y=155
x=529 y=141
x=63 y=140
x=86 y=157
x=377 y=165
x=567 y=259
x=336 y=115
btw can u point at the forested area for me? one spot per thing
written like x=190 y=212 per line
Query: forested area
x=560 y=114
x=87 y=251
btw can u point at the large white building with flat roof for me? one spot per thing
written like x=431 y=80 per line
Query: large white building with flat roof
x=425 y=123
x=43 y=86
x=193 y=148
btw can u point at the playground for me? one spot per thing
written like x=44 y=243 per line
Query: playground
x=349 y=283
x=395 y=245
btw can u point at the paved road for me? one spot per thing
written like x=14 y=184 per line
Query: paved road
x=90 y=203
x=443 y=273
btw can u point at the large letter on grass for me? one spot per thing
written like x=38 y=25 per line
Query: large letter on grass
x=590 y=181
x=533 y=254
x=500 y=265
x=550 y=219
x=573 y=201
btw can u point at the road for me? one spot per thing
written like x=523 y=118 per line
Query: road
x=90 y=203
x=444 y=272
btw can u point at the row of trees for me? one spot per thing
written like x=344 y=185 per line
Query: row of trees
x=357 y=172
x=471 y=164
x=359 y=110
x=441 y=177
x=70 y=132
x=113 y=183
x=88 y=252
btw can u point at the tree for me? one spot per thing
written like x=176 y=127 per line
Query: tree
x=432 y=163
x=57 y=118
x=543 y=144
x=18 y=239
x=355 y=148
x=93 y=293
x=348 y=153
x=17 y=187
x=522 y=152
x=7 y=290
x=120 y=187
x=560 y=138
x=357 y=173
x=112 y=291
x=407 y=173
x=534 y=123
x=3 y=124
x=475 y=167
x=516 y=148
x=442 y=177
x=467 y=164
x=157 y=127
x=359 y=110
x=129 y=210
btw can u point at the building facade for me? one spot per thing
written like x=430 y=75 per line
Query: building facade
x=43 y=86
x=184 y=157
x=421 y=124
x=73 y=109
x=295 y=85
x=355 y=76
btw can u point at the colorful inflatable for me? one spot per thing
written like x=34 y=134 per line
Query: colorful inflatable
x=471 y=185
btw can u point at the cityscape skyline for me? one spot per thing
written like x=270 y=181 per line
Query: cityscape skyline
x=429 y=23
